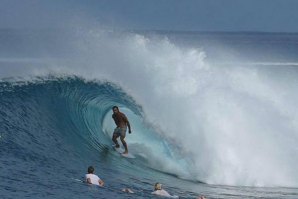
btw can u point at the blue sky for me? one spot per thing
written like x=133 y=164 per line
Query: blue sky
x=188 y=15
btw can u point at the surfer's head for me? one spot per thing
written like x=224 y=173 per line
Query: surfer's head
x=157 y=186
x=115 y=109
x=90 y=169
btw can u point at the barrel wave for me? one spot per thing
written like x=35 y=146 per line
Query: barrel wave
x=53 y=126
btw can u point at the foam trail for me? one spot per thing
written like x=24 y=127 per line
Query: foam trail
x=233 y=124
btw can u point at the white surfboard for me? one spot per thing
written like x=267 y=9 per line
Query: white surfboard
x=121 y=150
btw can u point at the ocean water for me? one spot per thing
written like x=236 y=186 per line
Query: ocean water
x=212 y=114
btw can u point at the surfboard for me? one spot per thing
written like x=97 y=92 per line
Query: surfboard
x=78 y=180
x=121 y=150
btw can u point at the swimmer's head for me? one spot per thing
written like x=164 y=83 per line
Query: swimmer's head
x=157 y=186
x=90 y=169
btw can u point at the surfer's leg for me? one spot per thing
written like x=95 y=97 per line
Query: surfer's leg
x=124 y=144
x=122 y=136
x=115 y=136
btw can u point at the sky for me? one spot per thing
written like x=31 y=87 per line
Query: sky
x=176 y=15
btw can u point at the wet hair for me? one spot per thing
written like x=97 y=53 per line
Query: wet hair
x=90 y=169
x=115 y=107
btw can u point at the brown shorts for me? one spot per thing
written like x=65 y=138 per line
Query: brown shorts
x=120 y=131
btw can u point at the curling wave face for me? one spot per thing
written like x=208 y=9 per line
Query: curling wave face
x=63 y=122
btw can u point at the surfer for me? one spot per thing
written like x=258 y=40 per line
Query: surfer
x=91 y=178
x=122 y=123
x=158 y=190
x=127 y=190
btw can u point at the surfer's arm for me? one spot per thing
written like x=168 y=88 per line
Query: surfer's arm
x=101 y=183
x=128 y=124
x=88 y=181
